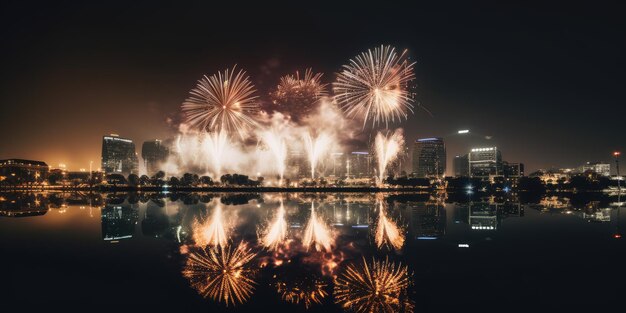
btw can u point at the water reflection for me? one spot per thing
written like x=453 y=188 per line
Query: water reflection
x=224 y=274
x=346 y=250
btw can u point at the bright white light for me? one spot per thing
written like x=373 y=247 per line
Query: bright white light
x=463 y=245
x=463 y=131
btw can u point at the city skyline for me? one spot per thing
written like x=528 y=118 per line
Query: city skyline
x=527 y=86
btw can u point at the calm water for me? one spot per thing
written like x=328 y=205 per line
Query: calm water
x=489 y=254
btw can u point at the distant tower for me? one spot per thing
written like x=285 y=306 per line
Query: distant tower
x=118 y=155
x=429 y=157
x=153 y=153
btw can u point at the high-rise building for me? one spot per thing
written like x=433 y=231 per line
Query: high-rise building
x=461 y=165
x=118 y=155
x=154 y=154
x=512 y=170
x=359 y=165
x=485 y=162
x=337 y=166
x=599 y=168
x=429 y=157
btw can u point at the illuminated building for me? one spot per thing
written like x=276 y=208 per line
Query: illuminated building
x=485 y=162
x=119 y=156
x=599 y=168
x=512 y=170
x=153 y=153
x=429 y=157
x=359 y=165
x=461 y=165
x=18 y=171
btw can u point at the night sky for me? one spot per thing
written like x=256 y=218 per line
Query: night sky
x=547 y=83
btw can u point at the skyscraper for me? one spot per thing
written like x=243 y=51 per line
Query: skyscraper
x=429 y=157
x=153 y=153
x=118 y=155
x=485 y=162
x=461 y=165
x=359 y=165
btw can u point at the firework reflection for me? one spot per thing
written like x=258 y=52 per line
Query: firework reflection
x=377 y=286
x=224 y=274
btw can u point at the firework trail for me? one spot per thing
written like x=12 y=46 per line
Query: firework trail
x=275 y=141
x=215 y=144
x=213 y=231
x=379 y=286
x=387 y=232
x=317 y=233
x=276 y=233
x=316 y=147
x=374 y=86
x=299 y=95
x=387 y=149
x=223 y=102
x=223 y=274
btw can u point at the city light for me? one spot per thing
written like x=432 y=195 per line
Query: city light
x=463 y=131
x=616 y=153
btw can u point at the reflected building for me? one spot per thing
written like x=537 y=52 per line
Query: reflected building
x=482 y=216
x=153 y=154
x=119 y=156
x=156 y=222
x=429 y=157
x=427 y=220
x=118 y=221
x=22 y=205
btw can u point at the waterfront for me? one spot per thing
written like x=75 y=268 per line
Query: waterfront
x=77 y=250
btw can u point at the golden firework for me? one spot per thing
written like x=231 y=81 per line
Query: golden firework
x=213 y=231
x=223 y=274
x=378 y=286
x=308 y=292
x=387 y=231
x=276 y=232
x=299 y=95
x=374 y=86
x=223 y=102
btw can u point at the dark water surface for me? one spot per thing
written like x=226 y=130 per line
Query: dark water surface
x=117 y=252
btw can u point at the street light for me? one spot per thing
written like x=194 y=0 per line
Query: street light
x=616 y=154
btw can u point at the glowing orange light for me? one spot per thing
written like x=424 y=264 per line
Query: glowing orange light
x=617 y=153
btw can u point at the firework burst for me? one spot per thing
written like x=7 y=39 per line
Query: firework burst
x=379 y=286
x=299 y=95
x=309 y=292
x=223 y=102
x=374 y=86
x=223 y=274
